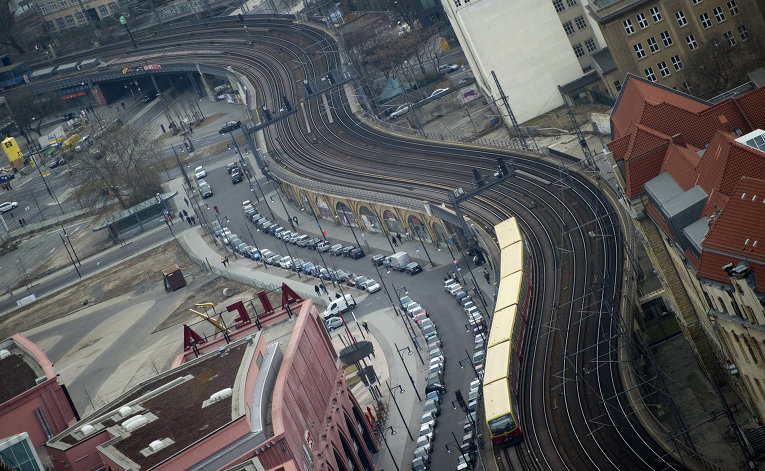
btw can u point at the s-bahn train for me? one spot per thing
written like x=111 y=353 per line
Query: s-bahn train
x=501 y=370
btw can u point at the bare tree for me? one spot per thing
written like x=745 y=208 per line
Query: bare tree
x=120 y=162
x=28 y=111
x=8 y=27
x=717 y=66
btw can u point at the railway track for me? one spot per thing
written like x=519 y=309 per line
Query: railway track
x=573 y=414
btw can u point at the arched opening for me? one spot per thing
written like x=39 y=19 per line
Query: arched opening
x=358 y=444
x=394 y=225
x=305 y=203
x=324 y=211
x=418 y=229
x=440 y=233
x=369 y=219
x=345 y=215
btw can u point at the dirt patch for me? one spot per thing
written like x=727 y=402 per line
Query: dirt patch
x=138 y=273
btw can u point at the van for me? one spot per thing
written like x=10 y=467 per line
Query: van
x=399 y=261
x=339 y=306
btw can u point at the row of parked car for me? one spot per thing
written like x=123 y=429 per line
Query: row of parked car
x=475 y=321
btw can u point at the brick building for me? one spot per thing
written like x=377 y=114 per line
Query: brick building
x=694 y=177
x=265 y=399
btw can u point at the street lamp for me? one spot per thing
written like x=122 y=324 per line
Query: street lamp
x=468 y=359
x=123 y=22
x=393 y=396
x=246 y=226
x=411 y=380
x=165 y=213
x=392 y=432
x=407 y=324
x=457 y=444
x=417 y=232
x=410 y=327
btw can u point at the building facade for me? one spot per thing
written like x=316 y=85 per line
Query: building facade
x=655 y=38
x=269 y=395
x=32 y=400
x=59 y=15
x=693 y=175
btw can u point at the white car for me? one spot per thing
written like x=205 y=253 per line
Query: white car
x=371 y=286
x=7 y=206
x=200 y=172
x=448 y=68
x=399 y=111
x=438 y=92
x=333 y=323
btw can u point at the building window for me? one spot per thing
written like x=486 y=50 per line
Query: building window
x=628 y=27
x=69 y=20
x=587 y=69
x=113 y=7
x=687 y=88
x=681 y=18
x=728 y=35
x=578 y=50
x=571 y=3
x=102 y=10
x=719 y=15
x=705 y=21
x=691 y=42
x=43 y=9
x=696 y=2
x=641 y=20
x=649 y=74
x=568 y=28
x=677 y=63
x=663 y=69
x=558 y=4
x=60 y=23
x=63 y=4
x=655 y=14
x=590 y=45
x=617 y=85
x=457 y=3
x=653 y=45
x=743 y=32
x=733 y=8
x=579 y=20
x=79 y=16
x=52 y=6
x=639 y=50
x=666 y=38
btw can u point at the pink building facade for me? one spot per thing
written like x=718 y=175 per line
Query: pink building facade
x=276 y=397
x=31 y=398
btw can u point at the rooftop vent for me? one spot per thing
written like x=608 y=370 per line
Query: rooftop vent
x=87 y=429
x=125 y=411
x=41 y=379
x=743 y=196
x=5 y=353
x=218 y=396
x=134 y=422
x=157 y=445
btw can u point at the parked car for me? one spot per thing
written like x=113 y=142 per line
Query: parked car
x=402 y=109
x=335 y=249
x=333 y=323
x=200 y=172
x=356 y=253
x=231 y=167
x=378 y=259
x=448 y=68
x=371 y=286
x=340 y=276
x=413 y=268
x=149 y=97
x=346 y=250
x=440 y=91
x=236 y=177
x=205 y=190
x=230 y=126
x=324 y=246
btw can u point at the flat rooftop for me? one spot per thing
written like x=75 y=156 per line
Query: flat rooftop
x=18 y=371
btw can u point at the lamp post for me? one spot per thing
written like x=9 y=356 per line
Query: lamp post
x=392 y=432
x=416 y=231
x=393 y=396
x=411 y=380
x=351 y=226
x=409 y=322
x=70 y=256
x=256 y=246
x=393 y=305
x=123 y=22
x=468 y=359
x=165 y=213
x=457 y=444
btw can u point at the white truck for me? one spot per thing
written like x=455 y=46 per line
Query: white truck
x=339 y=306
x=398 y=261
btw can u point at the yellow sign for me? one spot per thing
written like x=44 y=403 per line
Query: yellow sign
x=444 y=45
x=46 y=173
x=12 y=150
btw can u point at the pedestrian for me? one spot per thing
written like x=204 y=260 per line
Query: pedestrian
x=185 y=213
x=193 y=220
x=365 y=325
x=486 y=275
x=185 y=200
x=227 y=262
x=393 y=240
x=272 y=199
x=316 y=288
x=223 y=261
x=21 y=223
x=24 y=221
x=215 y=208
x=188 y=219
x=180 y=215
x=398 y=236
x=324 y=288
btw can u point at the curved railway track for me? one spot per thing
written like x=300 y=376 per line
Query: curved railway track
x=573 y=414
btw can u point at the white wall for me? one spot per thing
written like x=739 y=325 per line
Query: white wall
x=524 y=43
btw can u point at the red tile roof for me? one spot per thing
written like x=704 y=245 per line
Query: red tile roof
x=738 y=233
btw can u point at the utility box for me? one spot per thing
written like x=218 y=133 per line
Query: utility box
x=173 y=278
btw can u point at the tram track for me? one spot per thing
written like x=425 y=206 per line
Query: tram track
x=574 y=275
